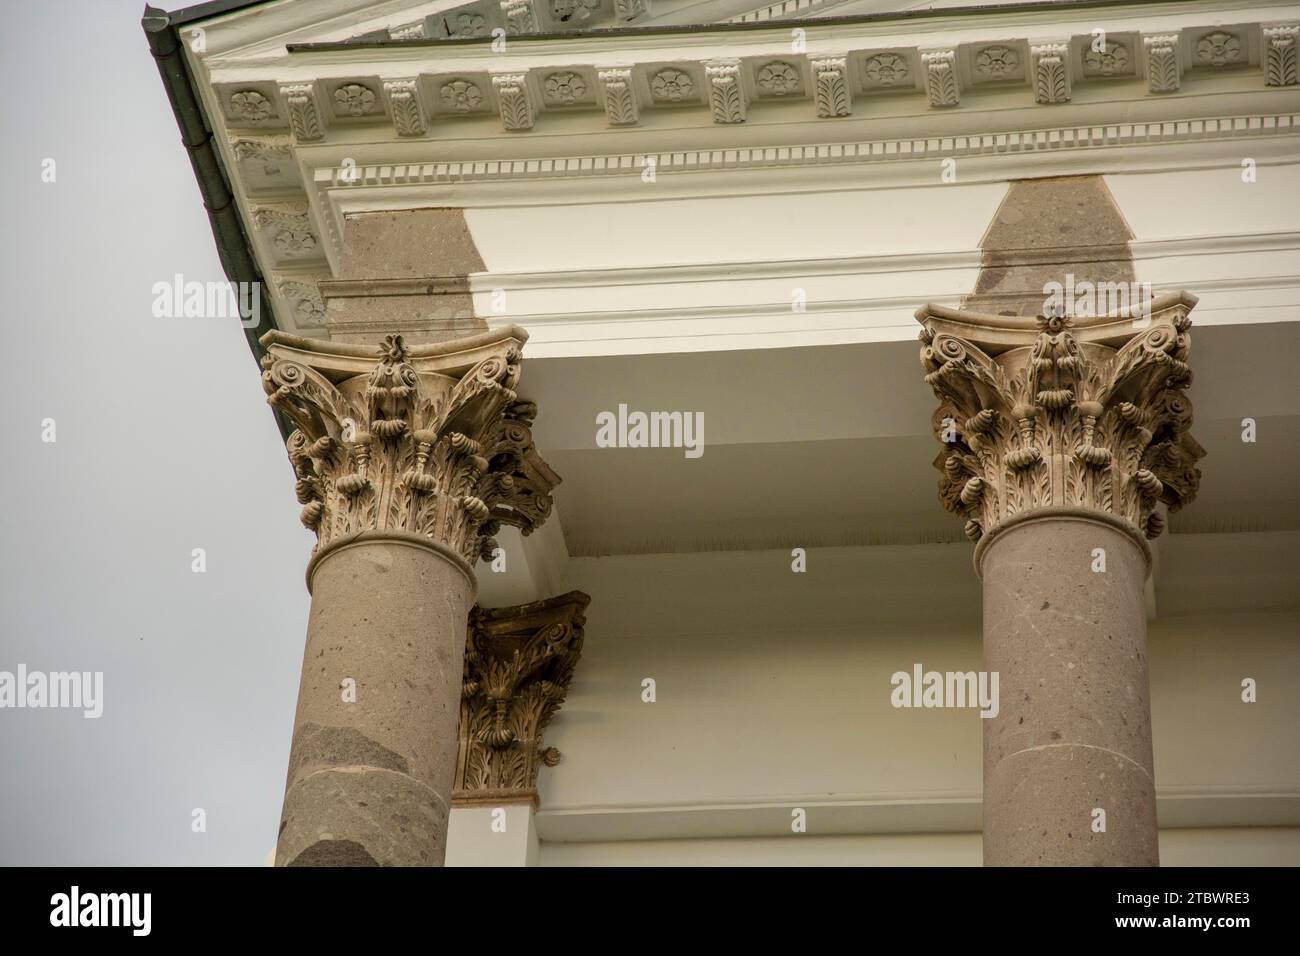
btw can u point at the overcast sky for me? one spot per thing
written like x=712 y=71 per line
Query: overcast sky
x=163 y=444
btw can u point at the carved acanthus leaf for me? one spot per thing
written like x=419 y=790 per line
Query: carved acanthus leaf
x=517 y=110
x=1051 y=63
x=305 y=116
x=1280 y=55
x=519 y=16
x=404 y=101
x=519 y=662
x=1092 y=417
x=941 y=77
x=726 y=97
x=407 y=447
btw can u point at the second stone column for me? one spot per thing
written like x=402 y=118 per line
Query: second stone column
x=1064 y=436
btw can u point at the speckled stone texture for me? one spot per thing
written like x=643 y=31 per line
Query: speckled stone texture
x=1073 y=733
x=370 y=782
x=1044 y=229
x=404 y=272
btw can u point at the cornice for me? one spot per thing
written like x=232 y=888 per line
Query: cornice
x=1049 y=61
x=282 y=146
x=671 y=161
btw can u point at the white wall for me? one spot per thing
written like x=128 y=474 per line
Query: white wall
x=773 y=693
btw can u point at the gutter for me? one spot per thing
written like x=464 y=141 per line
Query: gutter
x=233 y=247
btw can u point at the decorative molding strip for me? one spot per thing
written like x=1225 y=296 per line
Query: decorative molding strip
x=726 y=97
x=1164 y=72
x=941 y=77
x=871 y=151
x=306 y=119
x=404 y=100
x=517 y=110
x=618 y=96
x=519 y=662
x=1051 y=72
x=891 y=264
x=1280 y=55
x=831 y=87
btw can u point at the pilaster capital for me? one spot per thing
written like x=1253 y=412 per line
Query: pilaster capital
x=1063 y=412
x=518 y=665
x=428 y=440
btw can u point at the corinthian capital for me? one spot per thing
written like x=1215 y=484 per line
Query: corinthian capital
x=430 y=440
x=1063 y=412
x=518 y=665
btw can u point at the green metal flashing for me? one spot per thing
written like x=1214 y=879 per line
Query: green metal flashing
x=233 y=247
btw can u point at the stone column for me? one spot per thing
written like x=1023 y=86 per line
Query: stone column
x=407 y=461
x=1064 y=437
x=519 y=662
